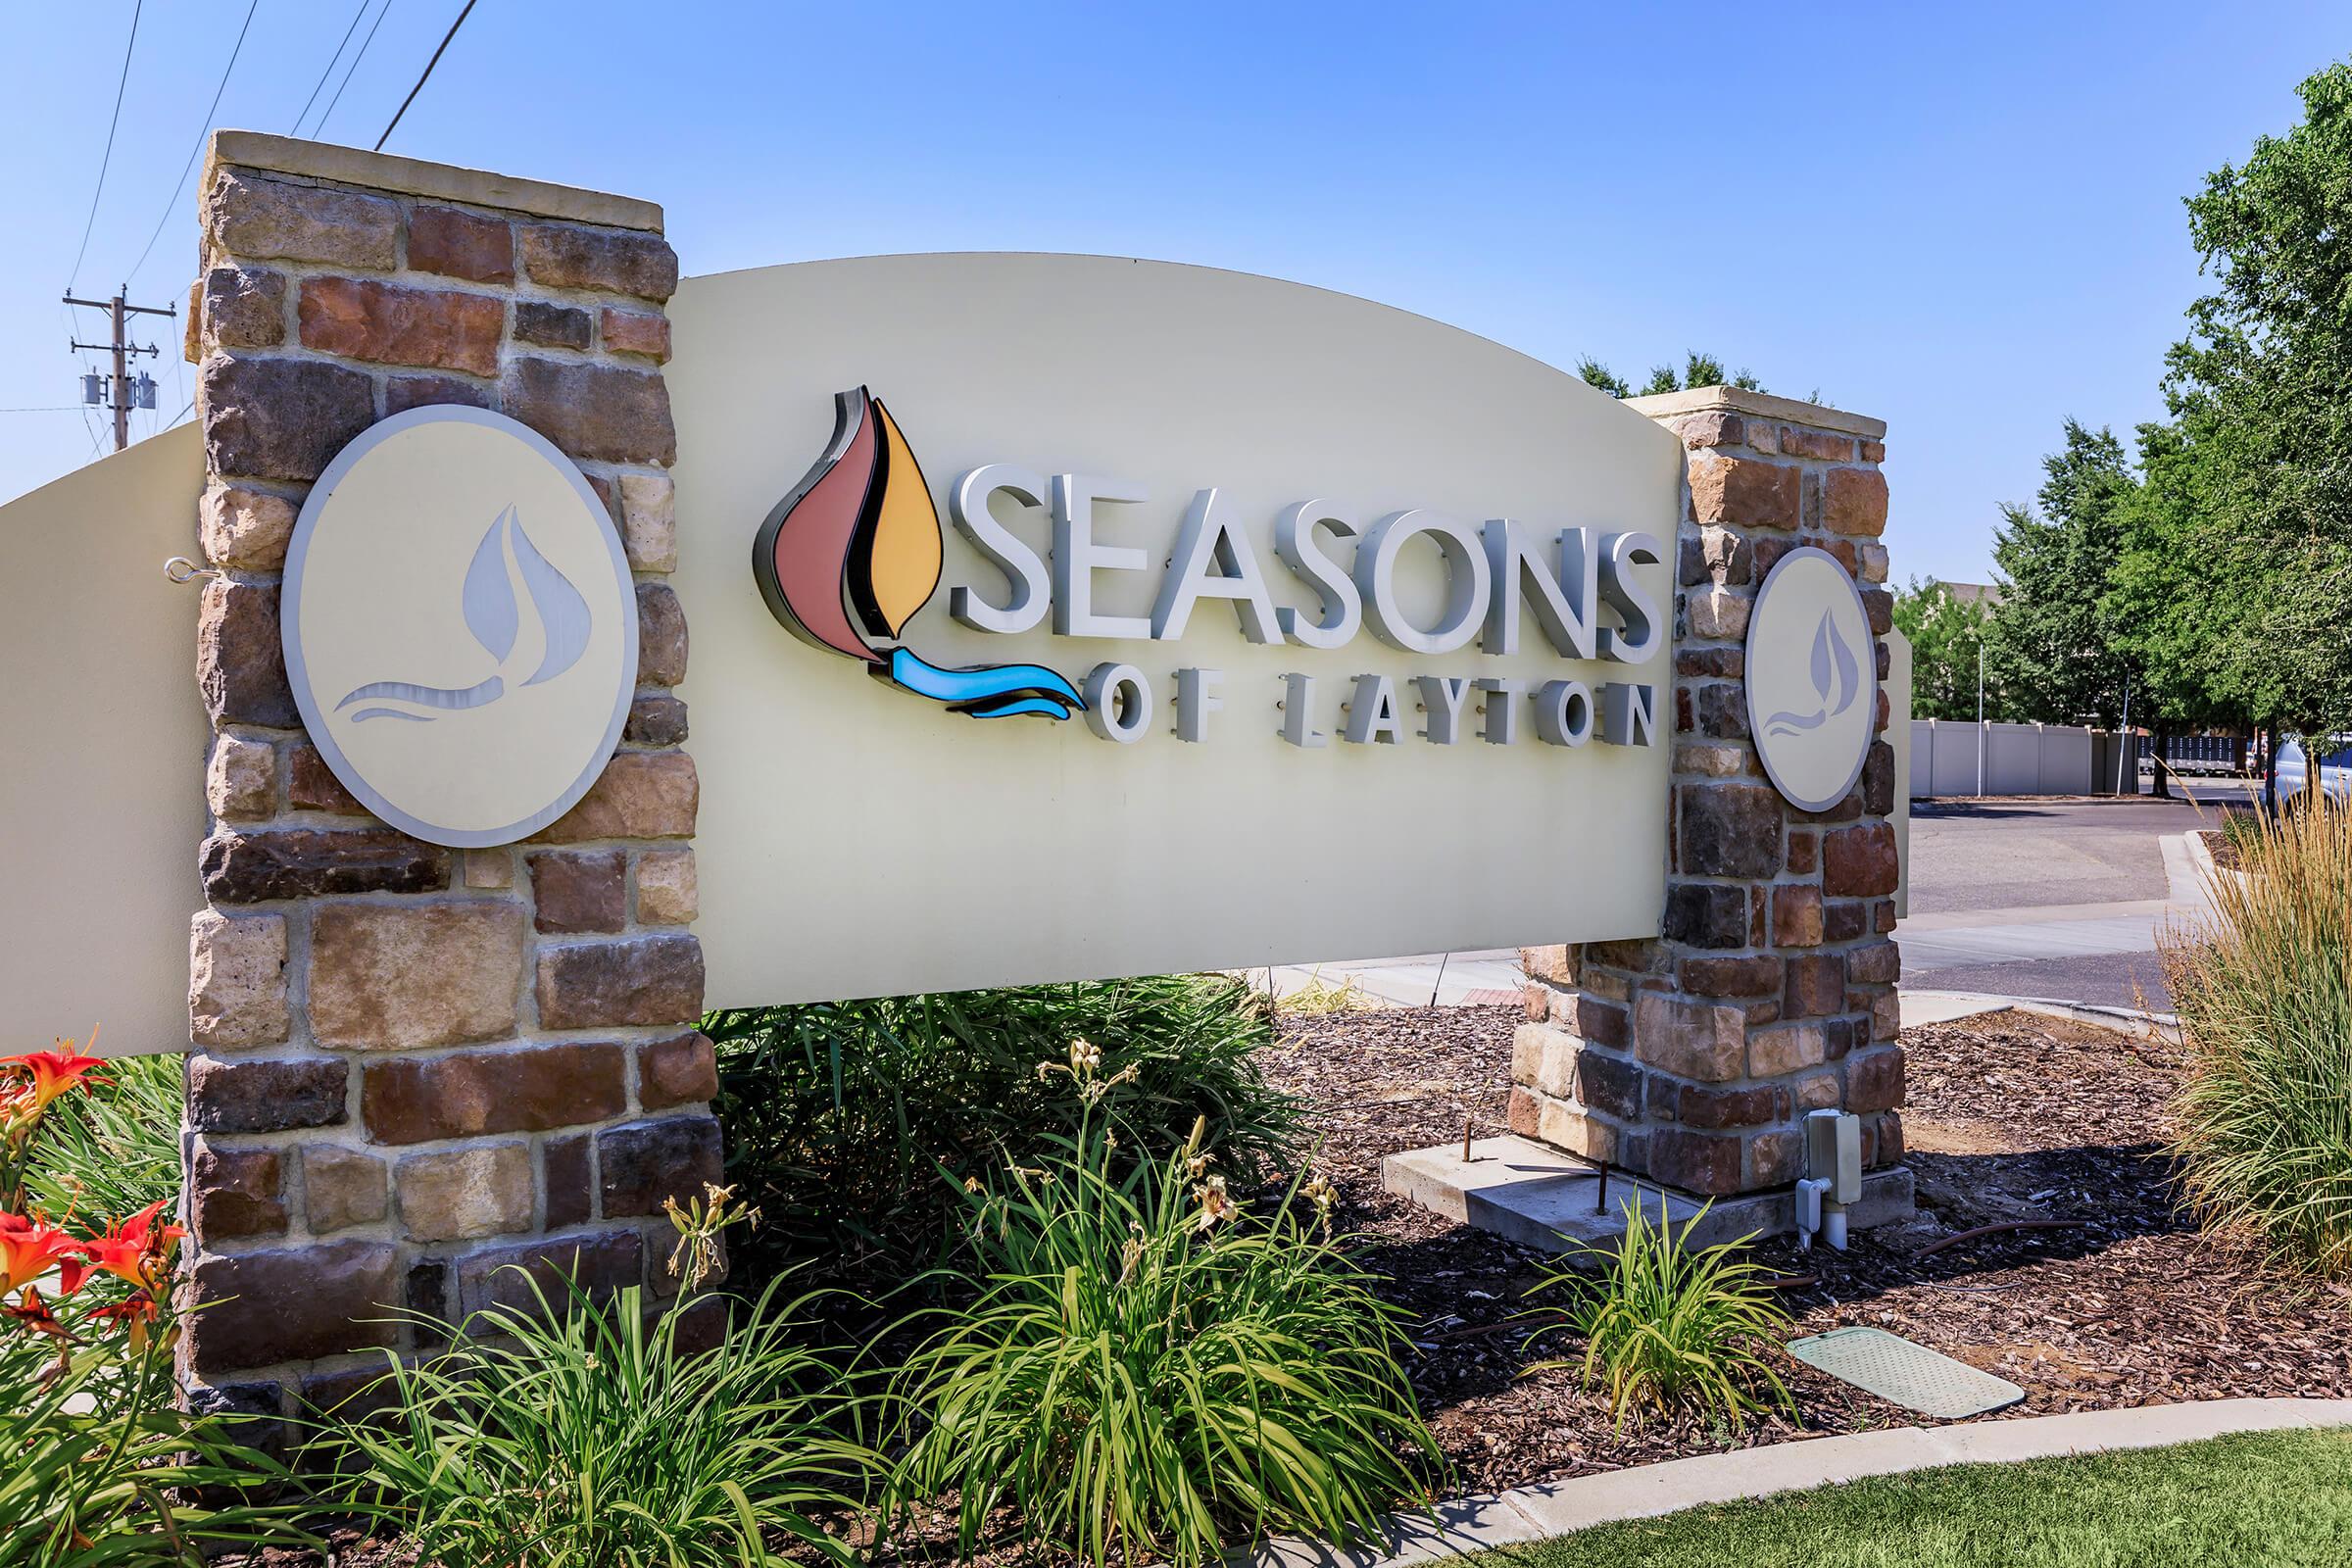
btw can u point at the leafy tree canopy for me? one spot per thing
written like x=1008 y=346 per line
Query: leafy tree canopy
x=1698 y=370
x=2052 y=646
x=2259 y=469
x=1946 y=632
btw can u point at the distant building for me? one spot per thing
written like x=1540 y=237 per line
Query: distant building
x=1974 y=592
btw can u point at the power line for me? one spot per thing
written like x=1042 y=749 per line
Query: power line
x=320 y=128
x=172 y=203
x=126 y=393
x=420 y=81
x=123 y=82
x=331 y=65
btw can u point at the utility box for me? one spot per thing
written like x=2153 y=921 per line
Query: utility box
x=1834 y=1155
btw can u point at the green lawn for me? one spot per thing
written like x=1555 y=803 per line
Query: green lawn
x=2269 y=1497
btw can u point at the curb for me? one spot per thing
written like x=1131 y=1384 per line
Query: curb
x=1539 y=1512
x=2139 y=1025
x=2164 y=1026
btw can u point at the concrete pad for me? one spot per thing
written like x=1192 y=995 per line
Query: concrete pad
x=1535 y=1196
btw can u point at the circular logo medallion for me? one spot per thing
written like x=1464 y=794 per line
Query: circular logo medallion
x=460 y=626
x=1812 y=678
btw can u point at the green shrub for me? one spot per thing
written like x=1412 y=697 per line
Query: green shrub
x=115 y=1152
x=1666 y=1328
x=2264 y=991
x=841 y=1116
x=573 y=1434
x=1149 y=1375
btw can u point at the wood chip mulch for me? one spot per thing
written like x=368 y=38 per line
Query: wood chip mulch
x=2011 y=1116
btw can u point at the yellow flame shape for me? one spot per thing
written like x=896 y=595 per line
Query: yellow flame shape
x=905 y=558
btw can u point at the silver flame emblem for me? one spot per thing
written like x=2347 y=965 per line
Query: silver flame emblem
x=1836 y=679
x=550 y=641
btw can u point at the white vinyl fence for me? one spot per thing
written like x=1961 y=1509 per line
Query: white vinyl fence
x=1958 y=757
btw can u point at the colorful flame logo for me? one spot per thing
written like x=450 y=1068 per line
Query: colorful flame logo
x=1837 y=677
x=847 y=558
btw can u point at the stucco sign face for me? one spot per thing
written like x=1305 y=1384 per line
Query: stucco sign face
x=460 y=626
x=1812 y=681
x=1107 y=617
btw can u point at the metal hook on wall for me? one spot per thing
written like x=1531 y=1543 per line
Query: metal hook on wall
x=179 y=568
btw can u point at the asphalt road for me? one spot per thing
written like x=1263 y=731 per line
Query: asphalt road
x=2060 y=900
x=2024 y=854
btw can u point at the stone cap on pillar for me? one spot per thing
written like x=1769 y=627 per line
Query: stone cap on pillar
x=351 y=165
x=1761 y=405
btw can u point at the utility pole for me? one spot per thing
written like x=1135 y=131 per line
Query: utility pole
x=125 y=396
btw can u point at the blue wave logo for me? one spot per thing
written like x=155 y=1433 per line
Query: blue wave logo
x=1836 y=679
x=493 y=610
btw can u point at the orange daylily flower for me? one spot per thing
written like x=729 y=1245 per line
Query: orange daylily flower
x=137 y=1311
x=29 y=1248
x=55 y=1071
x=33 y=1312
x=133 y=1250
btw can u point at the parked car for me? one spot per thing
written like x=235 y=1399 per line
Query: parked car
x=2336 y=772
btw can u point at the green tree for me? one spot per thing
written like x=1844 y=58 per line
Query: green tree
x=2160 y=607
x=1698 y=370
x=2261 y=392
x=1593 y=373
x=1946 y=632
x=2052 y=646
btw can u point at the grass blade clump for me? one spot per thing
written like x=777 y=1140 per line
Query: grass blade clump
x=1668 y=1329
x=98 y=1467
x=569 y=1431
x=2264 y=991
x=1148 y=1374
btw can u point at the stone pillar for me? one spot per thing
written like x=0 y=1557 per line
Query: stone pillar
x=413 y=1066
x=1692 y=1057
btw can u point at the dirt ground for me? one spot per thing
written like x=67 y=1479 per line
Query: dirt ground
x=2010 y=1117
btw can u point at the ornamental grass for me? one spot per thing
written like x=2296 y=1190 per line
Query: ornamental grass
x=578 y=1431
x=1154 y=1371
x=2263 y=988
x=1670 y=1327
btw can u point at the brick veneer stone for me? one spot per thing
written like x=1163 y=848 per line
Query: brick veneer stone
x=418 y=1065
x=1693 y=1058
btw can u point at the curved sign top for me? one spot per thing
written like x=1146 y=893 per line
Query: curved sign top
x=1373 y=614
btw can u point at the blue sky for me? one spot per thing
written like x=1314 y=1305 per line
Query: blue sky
x=1964 y=220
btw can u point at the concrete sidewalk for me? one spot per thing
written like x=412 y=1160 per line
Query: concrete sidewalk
x=2102 y=953
x=1539 y=1512
x=1452 y=979
x=2040 y=947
